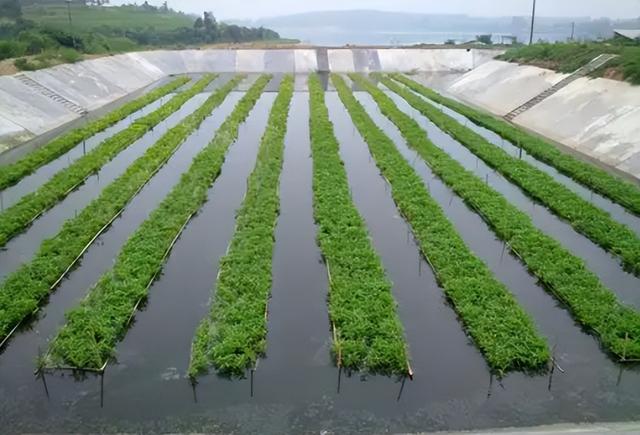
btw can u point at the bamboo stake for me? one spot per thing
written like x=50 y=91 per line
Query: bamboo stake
x=135 y=308
x=87 y=246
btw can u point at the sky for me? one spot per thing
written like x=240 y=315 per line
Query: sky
x=253 y=9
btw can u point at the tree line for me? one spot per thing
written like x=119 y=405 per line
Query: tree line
x=22 y=37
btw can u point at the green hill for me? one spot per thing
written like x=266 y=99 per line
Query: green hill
x=568 y=57
x=90 y=18
x=37 y=35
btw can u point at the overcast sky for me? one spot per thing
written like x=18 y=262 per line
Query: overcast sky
x=226 y=9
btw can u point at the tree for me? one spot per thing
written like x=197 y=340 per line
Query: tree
x=210 y=27
x=10 y=9
x=235 y=33
x=485 y=39
x=199 y=24
x=210 y=23
x=148 y=7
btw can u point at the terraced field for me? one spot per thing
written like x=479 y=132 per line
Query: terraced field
x=273 y=254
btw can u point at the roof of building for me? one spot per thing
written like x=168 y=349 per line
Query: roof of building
x=628 y=33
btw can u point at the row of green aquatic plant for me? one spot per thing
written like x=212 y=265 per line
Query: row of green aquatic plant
x=24 y=290
x=586 y=218
x=564 y=275
x=596 y=179
x=92 y=330
x=20 y=215
x=233 y=336
x=502 y=330
x=367 y=332
x=13 y=173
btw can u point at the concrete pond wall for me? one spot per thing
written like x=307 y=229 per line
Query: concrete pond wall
x=26 y=112
x=599 y=118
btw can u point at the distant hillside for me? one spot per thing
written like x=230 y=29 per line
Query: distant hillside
x=45 y=33
x=372 y=20
x=90 y=18
x=379 y=27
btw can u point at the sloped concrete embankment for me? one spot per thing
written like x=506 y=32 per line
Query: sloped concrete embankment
x=599 y=118
x=62 y=93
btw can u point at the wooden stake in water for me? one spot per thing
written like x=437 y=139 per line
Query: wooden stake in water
x=404 y=378
x=194 y=391
x=44 y=382
x=102 y=390
x=252 y=382
x=619 y=380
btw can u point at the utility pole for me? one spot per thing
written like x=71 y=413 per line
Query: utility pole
x=533 y=19
x=573 y=30
x=73 y=38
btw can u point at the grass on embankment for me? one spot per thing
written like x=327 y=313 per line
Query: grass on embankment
x=590 y=176
x=91 y=333
x=367 y=332
x=233 y=336
x=568 y=57
x=90 y=18
x=586 y=218
x=565 y=276
x=19 y=216
x=501 y=329
x=13 y=173
x=24 y=290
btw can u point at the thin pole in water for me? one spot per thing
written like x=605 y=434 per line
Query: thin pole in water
x=252 y=382
x=404 y=379
x=44 y=382
x=102 y=390
x=193 y=389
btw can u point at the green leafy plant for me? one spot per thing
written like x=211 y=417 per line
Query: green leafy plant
x=567 y=57
x=91 y=333
x=234 y=335
x=586 y=218
x=24 y=290
x=564 y=275
x=13 y=173
x=20 y=215
x=504 y=333
x=596 y=179
x=367 y=332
